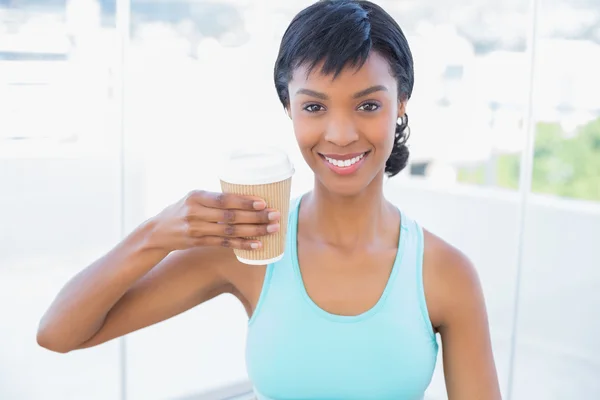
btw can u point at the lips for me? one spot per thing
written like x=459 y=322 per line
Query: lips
x=342 y=157
x=344 y=164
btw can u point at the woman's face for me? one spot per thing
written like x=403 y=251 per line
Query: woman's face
x=345 y=126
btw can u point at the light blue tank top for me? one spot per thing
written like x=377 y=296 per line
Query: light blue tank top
x=297 y=350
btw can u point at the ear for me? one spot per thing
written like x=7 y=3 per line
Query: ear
x=401 y=108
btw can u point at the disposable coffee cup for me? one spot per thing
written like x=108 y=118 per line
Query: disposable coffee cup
x=265 y=173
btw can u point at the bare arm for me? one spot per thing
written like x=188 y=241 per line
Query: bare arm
x=181 y=281
x=460 y=312
x=79 y=310
x=166 y=266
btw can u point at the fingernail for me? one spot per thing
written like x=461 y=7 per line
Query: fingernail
x=254 y=245
x=258 y=205
x=272 y=228
x=274 y=215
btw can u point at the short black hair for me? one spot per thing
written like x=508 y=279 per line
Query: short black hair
x=341 y=33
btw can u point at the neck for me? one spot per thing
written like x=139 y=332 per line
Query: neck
x=348 y=221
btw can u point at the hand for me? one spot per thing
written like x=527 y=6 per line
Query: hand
x=213 y=219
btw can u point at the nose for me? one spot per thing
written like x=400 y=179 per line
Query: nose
x=341 y=132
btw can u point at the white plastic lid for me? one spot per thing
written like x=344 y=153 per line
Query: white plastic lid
x=256 y=166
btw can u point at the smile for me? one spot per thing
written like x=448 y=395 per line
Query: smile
x=344 y=164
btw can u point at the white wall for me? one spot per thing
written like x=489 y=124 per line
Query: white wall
x=56 y=216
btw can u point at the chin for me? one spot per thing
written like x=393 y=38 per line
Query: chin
x=343 y=189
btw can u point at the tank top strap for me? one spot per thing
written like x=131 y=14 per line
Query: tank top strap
x=409 y=283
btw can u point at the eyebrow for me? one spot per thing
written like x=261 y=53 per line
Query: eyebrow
x=362 y=93
x=373 y=89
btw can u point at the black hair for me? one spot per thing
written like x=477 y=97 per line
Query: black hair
x=343 y=33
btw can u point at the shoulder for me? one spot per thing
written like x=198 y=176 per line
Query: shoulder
x=450 y=279
x=445 y=260
x=459 y=314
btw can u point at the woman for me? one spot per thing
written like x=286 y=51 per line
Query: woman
x=353 y=309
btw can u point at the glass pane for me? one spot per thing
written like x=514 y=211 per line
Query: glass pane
x=466 y=119
x=60 y=180
x=567 y=146
x=557 y=344
x=188 y=99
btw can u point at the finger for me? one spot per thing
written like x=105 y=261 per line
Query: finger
x=234 y=243
x=203 y=228
x=227 y=200
x=236 y=216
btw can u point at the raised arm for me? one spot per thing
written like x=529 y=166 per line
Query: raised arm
x=166 y=266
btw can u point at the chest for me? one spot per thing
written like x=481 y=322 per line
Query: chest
x=339 y=282
x=343 y=281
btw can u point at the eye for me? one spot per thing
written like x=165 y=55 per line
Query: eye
x=369 y=107
x=313 y=108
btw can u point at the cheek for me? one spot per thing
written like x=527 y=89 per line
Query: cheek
x=380 y=132
x=307 y=130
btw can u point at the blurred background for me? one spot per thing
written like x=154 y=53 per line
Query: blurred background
x=112 y=109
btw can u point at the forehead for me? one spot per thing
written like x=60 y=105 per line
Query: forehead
x=375 y=71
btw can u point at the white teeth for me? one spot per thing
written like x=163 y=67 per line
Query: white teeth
x=344 y=163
